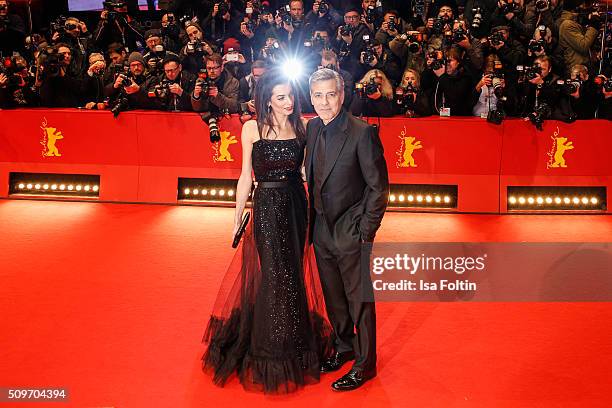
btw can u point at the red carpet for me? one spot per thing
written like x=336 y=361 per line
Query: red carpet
x=111 y=300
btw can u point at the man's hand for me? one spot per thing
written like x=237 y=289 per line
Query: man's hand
x=96 y=67
x=3 y=80
x=132 y=88
x=288 y=27
x=430 y=23
x=346 y=38
x=55 y=36
x=440 y=71
x=215 y=10
x=245 y=31
x=213 y=91
x=537 y=80
x=118 y=82
x=83 y=27
x=90 y=105
x=372 y=63
x=576 y=94
x=465 y=43
x=176 y=89
x=197 y=91
x=104 y=14
x=500 y=45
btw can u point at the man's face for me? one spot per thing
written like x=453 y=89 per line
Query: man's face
x=378 y=49
x=172 y=70
x=545 y=67
x=445 y=13
x=326 y=99
x=367 y=3
x=257 y=73
x=329 y=63
x=117 y=58
x=65 y=51
x=352 y=18
x=452 y=65
x=194 y=34
x=214 y=69
x=136 y=68
x=72 y=28
x=297 y=10
x=152 y=42
x=323 y=35
x=3 y=7
x=410 y=78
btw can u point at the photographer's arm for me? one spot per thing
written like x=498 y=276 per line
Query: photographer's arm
x=228 y=97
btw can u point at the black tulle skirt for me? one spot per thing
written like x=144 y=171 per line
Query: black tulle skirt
x=268 y=324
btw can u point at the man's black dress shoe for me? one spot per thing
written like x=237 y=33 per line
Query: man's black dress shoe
x=336 y=361
x=352 y=380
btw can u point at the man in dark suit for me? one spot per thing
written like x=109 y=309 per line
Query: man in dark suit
x=348 y=187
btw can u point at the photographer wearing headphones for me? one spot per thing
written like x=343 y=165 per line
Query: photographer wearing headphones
x=218 y=91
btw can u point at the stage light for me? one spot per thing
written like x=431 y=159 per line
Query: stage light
x=87 y=188
x=402 y=198
x=594 y=200
x=70 y=187
x=62 y=187
x=447 y=199
x=576 y=200
x=438 y=199
x=53 y=186
x=29 y=186
x=410 y=198
x=196 y=191
x=558 y=200
x=585 y=200
x=96 y=188
x=21 y=186
x=549 y=200
x=204 y=192
x=566 y=200
x=45 y=187
x=48 y=184
x=428 y=198
x=512 y=200
x=79 y=187
x=213 y=192
x=392 y=198
x=522 y=200
x=230 y=193
x=420 y=198
x=540 y=200
x=222 y=193
x=530 y=200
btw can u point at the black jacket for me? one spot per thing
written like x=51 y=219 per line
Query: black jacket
x=355 y=189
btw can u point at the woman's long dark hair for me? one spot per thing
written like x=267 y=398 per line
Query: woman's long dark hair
x=263 y=96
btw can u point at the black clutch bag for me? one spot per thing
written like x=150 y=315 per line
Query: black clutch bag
x=243 y=224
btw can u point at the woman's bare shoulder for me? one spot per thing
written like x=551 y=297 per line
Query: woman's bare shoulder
x=250 y=130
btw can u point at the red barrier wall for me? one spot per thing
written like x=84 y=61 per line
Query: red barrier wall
x=140 y=155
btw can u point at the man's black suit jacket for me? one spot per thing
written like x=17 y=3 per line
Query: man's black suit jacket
x=356 y=182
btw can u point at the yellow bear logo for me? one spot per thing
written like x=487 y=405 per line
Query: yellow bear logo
x=560 y=146
x=50 y=136
x=223 y=153
x=409 y=147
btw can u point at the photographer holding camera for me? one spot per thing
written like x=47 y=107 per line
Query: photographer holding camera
x=443 y=13
x=544 y=43
x=12 y=30
x=196 y=49
x=473 y=50
x=171 y=91
x=116 y=25
x=410 y=100
x=74 y=33
x=323 y=12
x=538 y=91
x=492 y=99
x=511 y=13
x=545 y=12
x=246 y=87
x=222 y=22
x=93 y=83
x=376 y=56
x=57 y=89
x=350 y=40
x=233 y=61
x=580 y=95
x=127 y=91
x=16 y=84
x=218 y=92
x=391 y=27
x=170 y=33
x=374 y=96
x=156 y=52
x=511 y=52
x=576 y=38
x=447 y=83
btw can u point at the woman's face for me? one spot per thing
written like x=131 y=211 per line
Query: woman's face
x=410 y=78
x=282 y=100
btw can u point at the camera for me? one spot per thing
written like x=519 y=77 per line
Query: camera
x=370 y=14
x=402 y=93
x=194 y=46
x=413 y=40
x=438 y=25
x=541 y=5
x=508 y=6
x=459 y=35
x=316 y=42
x=51 y=62
x=496 y=38
x=536 y=45
x=540 y=113
x=569 y=86
x=364 y=89
x=529 y=72
x=477 y=19
x=346 y=30
x=160 y=90
x=418 y=7
x=392 y=24
x=368 y=53
x=204 y=81
x=188 y=20
x=250 y=26
x=10 y=68
x=323 y=7
x=284 y=13
x=58 y=25
x=496 y=116
x=271 y=51
x=121 y=104
x=111 y=6
x=213 y=126
x=439 y=60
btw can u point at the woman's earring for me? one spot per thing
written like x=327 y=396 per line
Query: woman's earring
x=269 y=108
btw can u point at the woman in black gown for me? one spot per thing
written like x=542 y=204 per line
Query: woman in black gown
x=268 y=322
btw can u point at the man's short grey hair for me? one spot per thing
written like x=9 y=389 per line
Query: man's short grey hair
x=326 y=74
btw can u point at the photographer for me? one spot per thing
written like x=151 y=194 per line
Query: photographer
x=58 y=89
x=545 y=12
x=222 y=22
x=93 y=83
x=233 y=61
x=170 y=33
x=74 y=34
x=222 y=92
x=349 y=40
x=293 y=27
x=129 y=85
x=479 y=13
x=604 y=111
x=543 y=43
x=510 y=52
x=447 y=83
x=247 y=84
x=376 y=56
x=116 y=25
x=172 y=90
x=370 y=16
x=490 y=93
x=374 y=96
x=12 y=30
x=445 y=12
x=196 y=49
x=323 y=13
x=329 y=59
x=580 y=95
x=511 y=13
x=539 y=91
x=391 y=27
x=576 y=39
x=473 y=51
x=410 y=100
x=156 y=52
x=16 y=84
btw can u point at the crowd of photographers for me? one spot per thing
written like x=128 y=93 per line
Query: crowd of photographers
x=536 y=59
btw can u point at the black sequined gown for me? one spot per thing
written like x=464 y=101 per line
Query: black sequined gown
x=268 y=322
